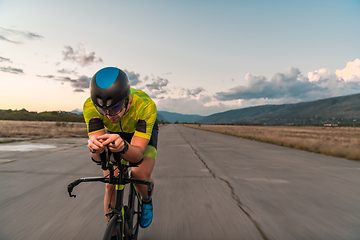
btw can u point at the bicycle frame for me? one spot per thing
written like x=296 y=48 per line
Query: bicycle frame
x=118 y=181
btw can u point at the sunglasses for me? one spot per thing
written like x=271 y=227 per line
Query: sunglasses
x=113 y=110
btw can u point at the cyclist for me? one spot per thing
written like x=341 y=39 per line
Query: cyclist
x=124 y=119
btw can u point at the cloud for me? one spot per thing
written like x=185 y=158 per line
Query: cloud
x=11 y=70
x=289 y=84
x=67 y=71
x=133 y=77
x=158 y=84
x=46 y=76
x=16 y=36
x=78 y=90
x=335 y=86
x=322 y=73
x=83 y=82
x=203 y=99
x=190 y=101
x=80 y=56
x=8 y=40
x=348 y=77
x=351 y=72
x=193 y=92
x=5 y=60
x=343 y=82
x=186 y=106
x=157 y=87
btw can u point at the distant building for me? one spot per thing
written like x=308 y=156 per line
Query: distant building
x=331 y=125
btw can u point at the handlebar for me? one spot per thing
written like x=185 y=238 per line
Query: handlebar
x=80 y=180
x=105 y=165
x=72 y=185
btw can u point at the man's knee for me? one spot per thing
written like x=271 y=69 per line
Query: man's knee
x=108 y=187
x=140 y=174
x=143 y=171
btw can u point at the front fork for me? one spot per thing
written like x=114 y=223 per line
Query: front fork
x=119 y=198
x=118 y=209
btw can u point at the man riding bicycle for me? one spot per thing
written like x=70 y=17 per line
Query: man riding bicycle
x=124 y=119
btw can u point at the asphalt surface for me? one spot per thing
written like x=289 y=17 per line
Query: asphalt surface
x=207 y=186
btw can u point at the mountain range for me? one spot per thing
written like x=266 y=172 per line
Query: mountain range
x=177 y=117
x=330 y=110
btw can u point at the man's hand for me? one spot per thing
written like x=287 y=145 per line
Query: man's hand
x=95 y=145
x=115 y=142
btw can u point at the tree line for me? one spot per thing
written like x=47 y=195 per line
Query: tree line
x=25 y=115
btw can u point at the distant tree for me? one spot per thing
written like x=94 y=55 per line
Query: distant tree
x=24 y=115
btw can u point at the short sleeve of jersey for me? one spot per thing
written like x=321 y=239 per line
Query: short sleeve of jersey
x=93 y=119
x=147 y=118
x=139 y=120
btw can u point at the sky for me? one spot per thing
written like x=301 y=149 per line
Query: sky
x=192 y=57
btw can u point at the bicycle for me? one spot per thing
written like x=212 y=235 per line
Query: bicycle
x=124 y=220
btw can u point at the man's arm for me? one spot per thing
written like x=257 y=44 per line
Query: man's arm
x=94 y=144
x=136 y=148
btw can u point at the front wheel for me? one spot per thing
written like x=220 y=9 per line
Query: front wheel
x=113 y=230
x=132 y=214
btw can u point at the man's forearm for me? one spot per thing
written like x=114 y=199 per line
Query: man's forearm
x=96 y=157
x=134 y=154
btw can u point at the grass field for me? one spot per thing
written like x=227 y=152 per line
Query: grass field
x=337 y=141
x=37 y=129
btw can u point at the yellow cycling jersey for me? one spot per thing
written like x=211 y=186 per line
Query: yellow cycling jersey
x=139 y=120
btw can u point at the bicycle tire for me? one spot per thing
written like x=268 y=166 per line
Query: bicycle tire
x=113 y=228
x=133 y=214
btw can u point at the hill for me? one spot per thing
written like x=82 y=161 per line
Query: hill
x=76 y=116
x=177 y=117
x=331 y=110
x=343 y=109
x=25 y=115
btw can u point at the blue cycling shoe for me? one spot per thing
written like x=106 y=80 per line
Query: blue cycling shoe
x=147 y=214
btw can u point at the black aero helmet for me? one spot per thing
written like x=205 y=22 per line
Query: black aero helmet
x=109 y=86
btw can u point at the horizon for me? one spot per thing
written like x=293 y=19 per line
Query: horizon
x=222 y=56
x=80 y=110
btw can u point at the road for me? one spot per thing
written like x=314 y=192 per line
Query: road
x=208 y=186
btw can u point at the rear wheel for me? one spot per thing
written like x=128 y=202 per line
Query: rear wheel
x=132 y=214
x=113 y=230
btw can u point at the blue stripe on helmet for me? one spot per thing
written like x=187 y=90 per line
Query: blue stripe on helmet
x=106 y=76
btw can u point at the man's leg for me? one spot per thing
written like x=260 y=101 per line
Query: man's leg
x=109 y=194
x=143 y=172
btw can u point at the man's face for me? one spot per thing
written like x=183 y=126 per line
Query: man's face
x=115 y=113
x=116 y=118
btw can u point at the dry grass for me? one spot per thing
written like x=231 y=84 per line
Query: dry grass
x=339 y=141
x=37 y=129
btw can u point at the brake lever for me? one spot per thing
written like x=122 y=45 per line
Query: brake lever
x=71 y=187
